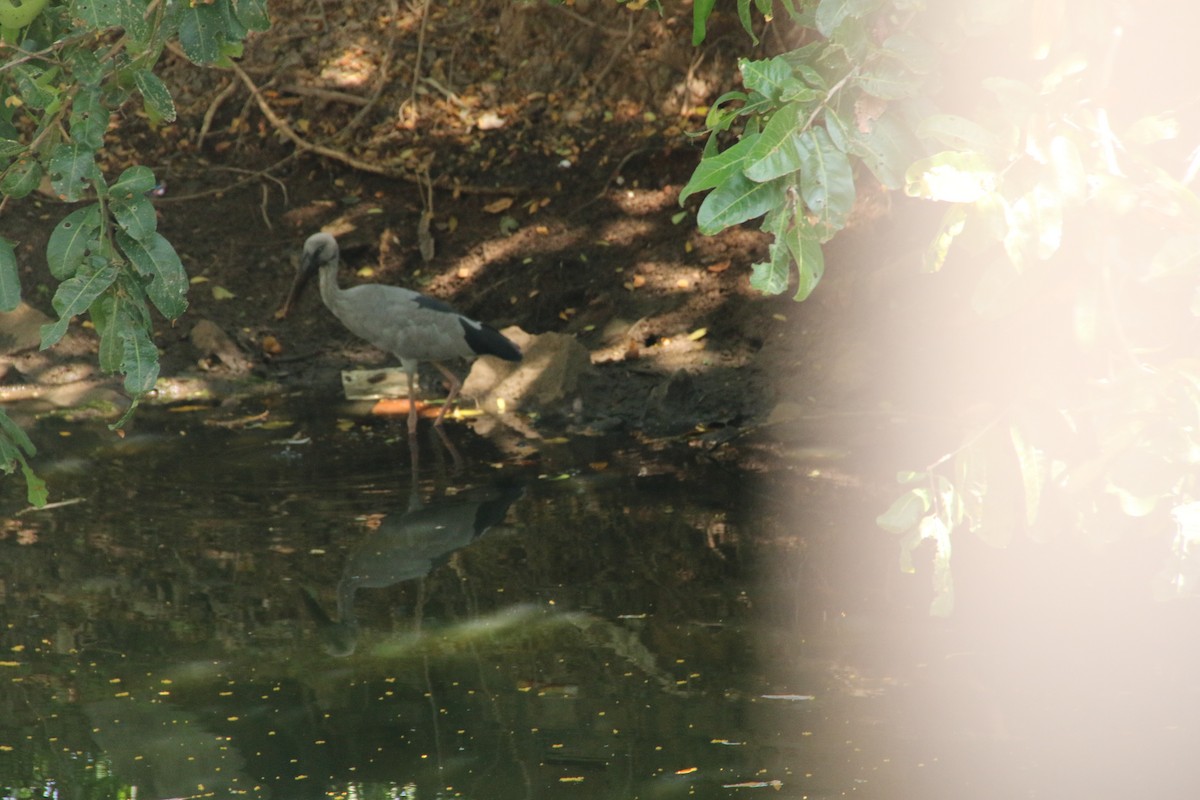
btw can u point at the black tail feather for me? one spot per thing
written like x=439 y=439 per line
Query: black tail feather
x=485 y=340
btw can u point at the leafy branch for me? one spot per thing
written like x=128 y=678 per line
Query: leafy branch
x=1045 y=202
x=69 y=66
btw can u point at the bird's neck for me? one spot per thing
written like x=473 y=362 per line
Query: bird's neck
x=330 y=291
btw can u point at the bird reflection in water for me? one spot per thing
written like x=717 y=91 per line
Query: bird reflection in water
x=408 y=547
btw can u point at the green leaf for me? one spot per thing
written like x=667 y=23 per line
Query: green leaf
x=73 y=297
x=132 y=14
x=136 y=216
x=89 y=119
x=886 y=149
x=73 y=237
x=201 y=32
x=32 y=85
x=156 y=97
x=72 y=167
x=712 y=171
x=140 y=361
x=795 y=243
x=104 y=314
x=916 y=54
x=776 y=151
x=10 y=280
x=1035 y=224
x=35 y=488
x=1035 y=471
x=15 y=435
x=771 y=78
x=935 y=527
x=953 y=223
x=736 y=200
x=98 y=14
x=959 y=133
x=84 y=65
x=826 y=179
x=156 y=259
x=253 y=14
x=771 y=276
x=971 y=480
x=743 y=11
x=720 y=116
x=888 y=80
x=953 y=176
x=804 y=246
x=831 y=13
x=136 y=180
x=701 y=11
x=905 y=511
x=11 y=147
x=21 y=178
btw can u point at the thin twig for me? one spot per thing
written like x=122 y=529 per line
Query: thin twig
x=617 y=51
x=382 y=81
x=612 y=176
x=211 y=112
x=326 y=94
x=412 y=95
x=575 y=15
x=61 y=503
x=251 y=176
x=303 y=145
x=262 y=206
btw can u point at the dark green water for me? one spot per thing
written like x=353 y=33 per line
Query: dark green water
x=285 y=609
x=230 y=612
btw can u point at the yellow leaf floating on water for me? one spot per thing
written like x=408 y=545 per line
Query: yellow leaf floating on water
x=221 y=293
x=496 y=206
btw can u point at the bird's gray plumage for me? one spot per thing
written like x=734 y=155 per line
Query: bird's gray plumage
x=412 y=326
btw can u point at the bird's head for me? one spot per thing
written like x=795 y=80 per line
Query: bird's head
x=320 y=250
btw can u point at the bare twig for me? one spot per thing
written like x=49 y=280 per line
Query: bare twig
x=388 y=170
x=412 y=95
x=211 y=112
x=612 y=176
x=326 y=94
x=425 y=241
x=61 y=503
x=382 y=80
x=251 y=176
x=301 y=143
x=617 y=51
x=262 y=206
x=575 y=15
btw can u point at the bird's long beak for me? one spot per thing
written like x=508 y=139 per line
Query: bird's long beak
x=308 y=267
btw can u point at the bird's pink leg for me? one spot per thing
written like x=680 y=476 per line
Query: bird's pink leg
x=412 y=405
x=455 y=385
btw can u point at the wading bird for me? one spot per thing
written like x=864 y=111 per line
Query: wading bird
x=407 y=324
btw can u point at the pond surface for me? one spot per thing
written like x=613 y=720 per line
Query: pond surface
x=283 y=607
